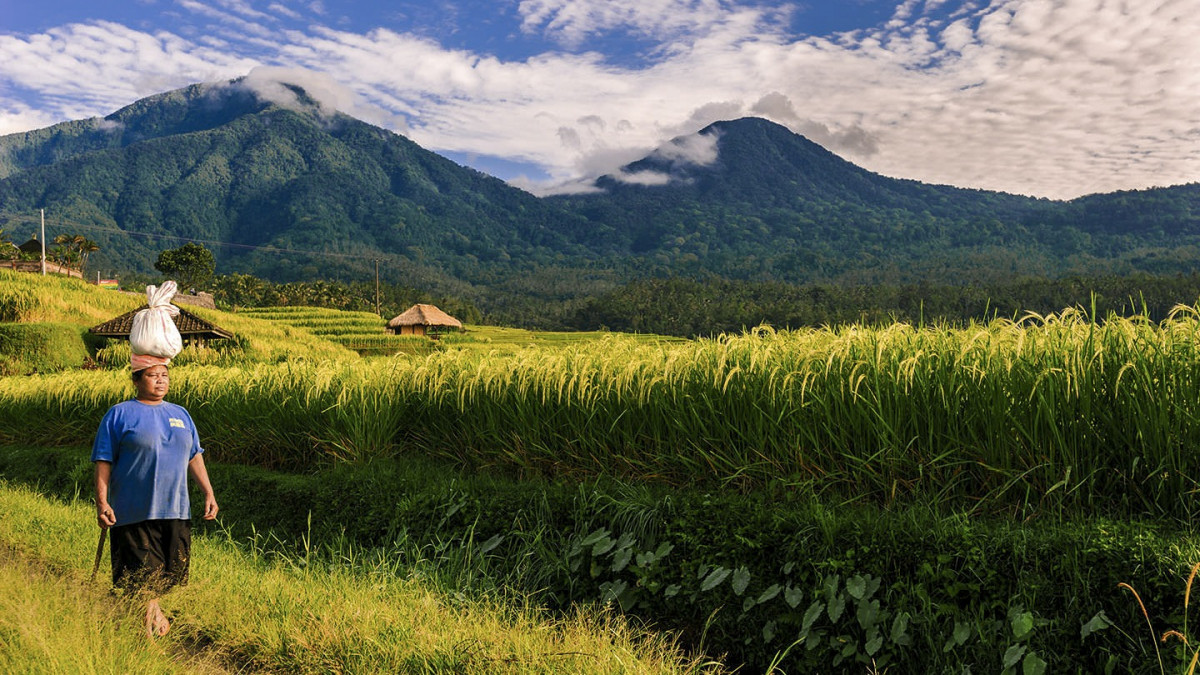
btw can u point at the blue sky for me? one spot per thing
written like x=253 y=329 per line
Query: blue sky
x=1054 y=98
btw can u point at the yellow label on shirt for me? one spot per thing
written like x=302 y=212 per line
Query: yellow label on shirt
x=176 y=422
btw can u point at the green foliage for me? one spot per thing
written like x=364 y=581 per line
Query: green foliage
x=40 y=348
x=72 y=251
x=332 y=607
x=239 y=291
x=762 y=579
x=8 y=250
x=709 y=307
x=190 y=265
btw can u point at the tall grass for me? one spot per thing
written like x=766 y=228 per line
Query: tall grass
x=313 y=615
x=28 y=297
x=53 y=625
x=1041 y=412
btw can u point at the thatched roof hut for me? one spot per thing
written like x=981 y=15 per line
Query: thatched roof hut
x=191 y=327
x=423 y=320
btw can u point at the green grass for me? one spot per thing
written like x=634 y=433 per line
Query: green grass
x=312 y=615
x=28 y=298
x=51 y=624
x=40 y=348
x=1047 y=413
x=366 y=334
x=503 y=339
x=33 y=300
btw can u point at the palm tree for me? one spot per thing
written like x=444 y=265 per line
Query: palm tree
x=75 y=249
x=86 y=248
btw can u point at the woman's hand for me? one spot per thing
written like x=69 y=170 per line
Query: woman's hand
x=105 y=516
x=210 y=507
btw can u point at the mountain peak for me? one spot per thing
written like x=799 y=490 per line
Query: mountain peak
x=750 y=158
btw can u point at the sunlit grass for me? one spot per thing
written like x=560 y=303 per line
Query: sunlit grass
x=32 y=297
x=60 y=624
x=1039 y=412
x=302 y=615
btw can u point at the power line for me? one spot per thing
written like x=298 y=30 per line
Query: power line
x=228 y=244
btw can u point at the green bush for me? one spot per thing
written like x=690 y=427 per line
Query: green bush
x=40 y=348
x=753 y=577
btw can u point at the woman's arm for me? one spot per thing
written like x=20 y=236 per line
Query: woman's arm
x=196 y=468
x=104 y=513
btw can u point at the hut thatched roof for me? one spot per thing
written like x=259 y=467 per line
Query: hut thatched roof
x=424 y=315
x=31 y=246
x=190 y=326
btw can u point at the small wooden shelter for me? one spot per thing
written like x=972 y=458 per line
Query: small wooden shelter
x=192 y=328
x=423 y=320
x=33 y=247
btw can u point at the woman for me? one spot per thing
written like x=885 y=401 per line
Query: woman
x=143 y=451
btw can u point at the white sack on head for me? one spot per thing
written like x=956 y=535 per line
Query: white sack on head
x=154 y=330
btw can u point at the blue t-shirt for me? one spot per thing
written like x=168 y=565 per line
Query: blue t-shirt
x=149 y=447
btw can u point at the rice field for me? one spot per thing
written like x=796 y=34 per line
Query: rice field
x=1042 y=411
x=366 y=334
x=31 y=297
x=316 y=613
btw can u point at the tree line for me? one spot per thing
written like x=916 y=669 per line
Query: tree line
x=696 y=307
x=691 y=307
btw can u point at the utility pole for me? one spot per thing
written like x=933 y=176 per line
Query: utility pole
x=377 y=286
x=43 y=242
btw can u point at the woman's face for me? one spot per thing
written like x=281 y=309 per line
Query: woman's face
x=153 y=385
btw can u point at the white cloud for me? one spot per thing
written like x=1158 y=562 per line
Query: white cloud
x=1054 y=98
x=643 y=177
x=269 y=84
x=690 y=150
x=284 y=10
x=229 y=20
x=18 y=118
x=83 y=70
x=573 y=21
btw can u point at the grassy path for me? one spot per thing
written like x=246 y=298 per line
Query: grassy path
x=289 y=616
x=56 y=623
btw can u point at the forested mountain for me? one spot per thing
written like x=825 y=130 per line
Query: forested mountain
x=741 y=200
x=769 y=204
x=217 y=164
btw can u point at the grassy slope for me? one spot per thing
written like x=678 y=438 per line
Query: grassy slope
x=298 y=615
x=64 y=300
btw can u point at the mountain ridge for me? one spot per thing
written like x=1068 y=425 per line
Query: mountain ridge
x=741 y=199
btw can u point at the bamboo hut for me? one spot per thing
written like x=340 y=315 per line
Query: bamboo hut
x=192 y=328
x=423 y=320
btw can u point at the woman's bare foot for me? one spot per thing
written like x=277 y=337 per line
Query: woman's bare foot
x=156 y=622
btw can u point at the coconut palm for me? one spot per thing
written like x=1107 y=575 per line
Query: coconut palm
x=75 y=249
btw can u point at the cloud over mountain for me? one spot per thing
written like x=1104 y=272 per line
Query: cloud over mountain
x=1047 y=98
